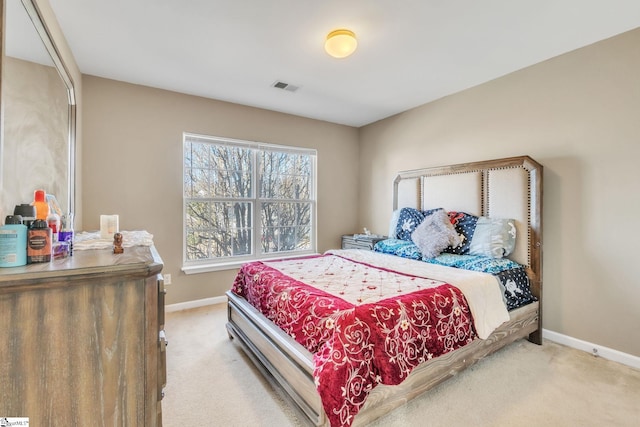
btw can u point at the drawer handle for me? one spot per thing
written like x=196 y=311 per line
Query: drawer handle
x=162 y=336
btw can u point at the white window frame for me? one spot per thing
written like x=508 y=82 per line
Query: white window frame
x=211 y=264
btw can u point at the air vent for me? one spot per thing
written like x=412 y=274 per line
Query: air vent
x=285 y=86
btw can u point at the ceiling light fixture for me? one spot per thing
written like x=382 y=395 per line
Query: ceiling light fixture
x=340 y=43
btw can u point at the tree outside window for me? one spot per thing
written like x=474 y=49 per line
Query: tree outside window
x=245 y=200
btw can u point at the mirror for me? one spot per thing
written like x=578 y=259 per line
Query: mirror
x=38 y=112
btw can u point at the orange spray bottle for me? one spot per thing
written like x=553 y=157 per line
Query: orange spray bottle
x=41 y=205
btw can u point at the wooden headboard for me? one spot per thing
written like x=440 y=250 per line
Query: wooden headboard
x=501 y=188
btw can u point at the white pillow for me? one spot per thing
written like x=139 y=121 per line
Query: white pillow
x=493 y=237
x=393 y=223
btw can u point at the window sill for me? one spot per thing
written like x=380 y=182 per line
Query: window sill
x=232 y=265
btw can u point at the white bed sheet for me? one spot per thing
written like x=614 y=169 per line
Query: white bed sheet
x=481 y=290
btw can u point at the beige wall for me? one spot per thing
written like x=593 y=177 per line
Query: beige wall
x=132 y=166
x=578 y=115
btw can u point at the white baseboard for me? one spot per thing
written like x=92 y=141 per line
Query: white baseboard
x=195 y=304
x=595 y=349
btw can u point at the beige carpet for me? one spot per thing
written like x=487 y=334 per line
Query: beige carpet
x=211 y=382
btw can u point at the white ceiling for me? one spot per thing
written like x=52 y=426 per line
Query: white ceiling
x=410 y=51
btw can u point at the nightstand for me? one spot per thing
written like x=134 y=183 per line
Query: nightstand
x=360 y=241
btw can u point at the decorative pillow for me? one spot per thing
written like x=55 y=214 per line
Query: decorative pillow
x=434 y=234
x=465 y=225
x=397 y=247
x=393 y=223
x=493 y=237
x=408 y=220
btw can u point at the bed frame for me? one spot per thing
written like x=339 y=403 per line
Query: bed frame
x=503 y=188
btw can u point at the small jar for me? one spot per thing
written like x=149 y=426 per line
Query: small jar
x=39 y=242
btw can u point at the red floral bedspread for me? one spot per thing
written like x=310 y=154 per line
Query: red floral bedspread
x=360 y=336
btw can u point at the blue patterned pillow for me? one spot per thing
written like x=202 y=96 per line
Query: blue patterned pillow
x=398 y=247
x=408 y=220
x=465 y=225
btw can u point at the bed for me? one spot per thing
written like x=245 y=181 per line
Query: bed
x=296 y=361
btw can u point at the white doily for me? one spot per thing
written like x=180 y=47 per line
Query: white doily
x=91 y=240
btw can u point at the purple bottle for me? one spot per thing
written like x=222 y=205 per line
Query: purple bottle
x=66 y=231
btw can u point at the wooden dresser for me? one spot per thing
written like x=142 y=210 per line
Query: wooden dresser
x=82 y=340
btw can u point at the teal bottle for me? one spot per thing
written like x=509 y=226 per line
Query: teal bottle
x=13 y=242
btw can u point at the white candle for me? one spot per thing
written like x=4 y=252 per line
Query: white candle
x=109 y=225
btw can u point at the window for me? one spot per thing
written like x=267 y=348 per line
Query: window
x=246 y=200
